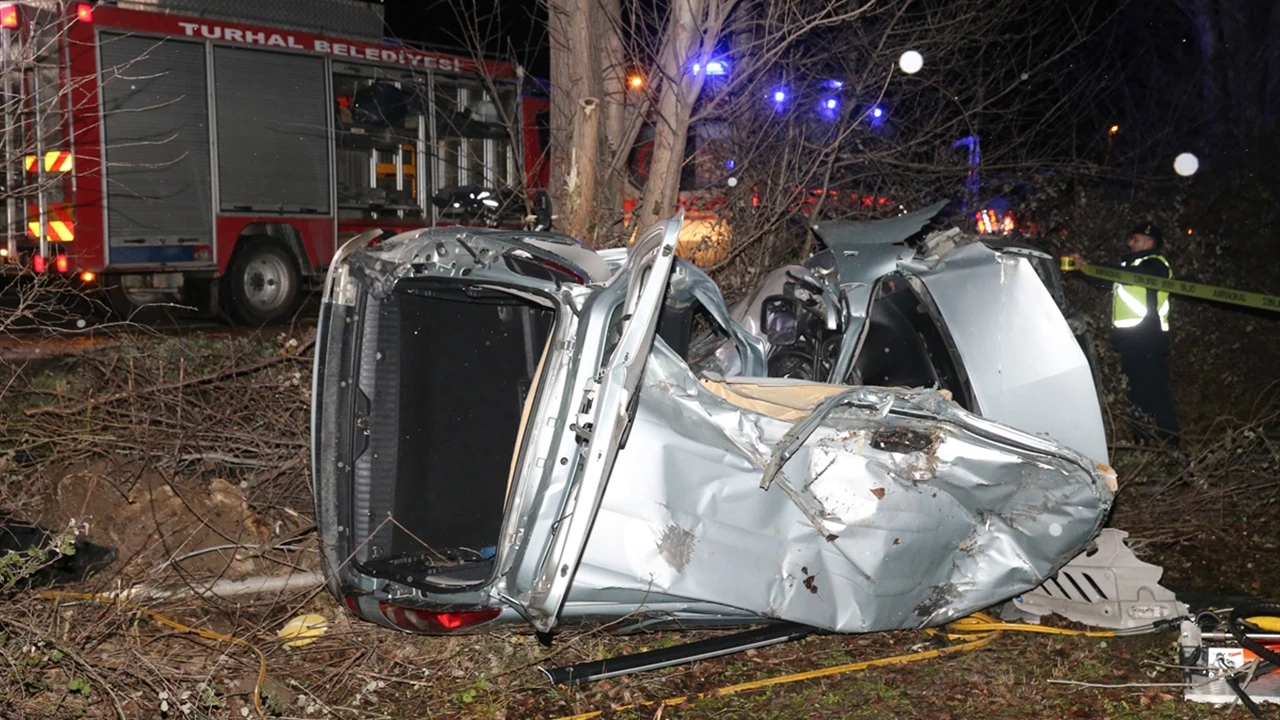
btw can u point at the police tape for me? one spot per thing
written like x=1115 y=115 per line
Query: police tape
x=1177 y=287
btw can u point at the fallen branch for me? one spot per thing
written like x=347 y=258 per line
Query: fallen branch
x=258 y=585
x=226 y=374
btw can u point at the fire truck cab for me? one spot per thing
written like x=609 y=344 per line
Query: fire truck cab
x=166 y=151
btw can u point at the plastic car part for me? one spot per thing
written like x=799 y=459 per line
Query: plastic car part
x=1105 y=586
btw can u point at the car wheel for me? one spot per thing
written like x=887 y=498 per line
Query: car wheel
x=263 y=284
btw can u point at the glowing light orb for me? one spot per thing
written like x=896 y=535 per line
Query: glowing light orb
x=911 y=62
x=1186 y=164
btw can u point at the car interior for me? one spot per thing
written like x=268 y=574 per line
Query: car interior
x=443 y=427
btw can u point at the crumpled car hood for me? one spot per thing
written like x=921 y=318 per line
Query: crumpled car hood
x=899 y=510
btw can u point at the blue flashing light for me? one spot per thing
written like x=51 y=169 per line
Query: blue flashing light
x=876 y=116
x=779 y=96
x=831 y=103
x=717 y=67
x=730 y=164
x=835 y=84
x=697 y=68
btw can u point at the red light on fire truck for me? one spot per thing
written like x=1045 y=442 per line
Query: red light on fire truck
x=37 y=264
x=9 y=16
x=84 y=12
x=60 y=264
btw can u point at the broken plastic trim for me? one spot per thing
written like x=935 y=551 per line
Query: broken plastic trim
x=587 y=672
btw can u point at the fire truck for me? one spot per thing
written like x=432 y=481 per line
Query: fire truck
x=217 y=152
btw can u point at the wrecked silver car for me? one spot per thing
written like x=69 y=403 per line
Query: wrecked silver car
x=510 y=427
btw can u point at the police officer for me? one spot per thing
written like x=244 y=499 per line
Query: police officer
x=1140 y=333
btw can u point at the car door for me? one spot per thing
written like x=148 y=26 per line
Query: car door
x=629 y=304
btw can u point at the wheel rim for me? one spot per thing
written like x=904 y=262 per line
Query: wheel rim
x=267 y=282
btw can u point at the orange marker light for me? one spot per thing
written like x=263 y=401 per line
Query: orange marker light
x=88 y=276
x=635 y=82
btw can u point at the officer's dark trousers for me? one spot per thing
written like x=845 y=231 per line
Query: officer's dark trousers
x=1144 y=358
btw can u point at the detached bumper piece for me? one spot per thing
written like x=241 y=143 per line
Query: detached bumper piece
x=1105 y=586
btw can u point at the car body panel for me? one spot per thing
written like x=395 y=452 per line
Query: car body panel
x=608 y=405
x=860 y=253
x=1017 y=348
x=857 y=533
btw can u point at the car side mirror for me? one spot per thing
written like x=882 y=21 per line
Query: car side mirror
x=779 y=320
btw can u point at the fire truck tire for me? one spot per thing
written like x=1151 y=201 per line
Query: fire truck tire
x=264 y=284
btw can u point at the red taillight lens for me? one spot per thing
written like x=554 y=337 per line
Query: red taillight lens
x=9 y=16
x=60 y=263
x=353 y=605
x=37 y=263
x=427 y=621
x=84 y=12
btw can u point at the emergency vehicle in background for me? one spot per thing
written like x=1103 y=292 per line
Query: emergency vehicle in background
x=217 y=152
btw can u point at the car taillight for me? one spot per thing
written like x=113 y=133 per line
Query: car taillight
x=556 y=267
x=415 y=620
x=524 y=263
x=353 y=605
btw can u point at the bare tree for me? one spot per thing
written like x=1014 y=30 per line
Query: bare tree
x=807 y=108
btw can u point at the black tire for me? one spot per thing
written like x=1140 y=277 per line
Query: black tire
x=263 y=285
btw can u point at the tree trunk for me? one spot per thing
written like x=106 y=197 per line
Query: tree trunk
x=583 y=33
x=673 y=110
x=615 y=104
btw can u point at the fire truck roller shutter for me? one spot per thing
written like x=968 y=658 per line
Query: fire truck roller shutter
x=272 y=129
x=155 y=124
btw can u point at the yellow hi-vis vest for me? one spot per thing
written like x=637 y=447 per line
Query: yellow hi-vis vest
x=1129 y=302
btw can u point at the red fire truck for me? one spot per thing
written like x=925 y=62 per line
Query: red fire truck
x=217 y=152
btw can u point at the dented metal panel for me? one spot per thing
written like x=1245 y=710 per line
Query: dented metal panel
x=1018 y=350
x=900 y=510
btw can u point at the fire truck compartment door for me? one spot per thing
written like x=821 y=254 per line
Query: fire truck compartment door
x=273 y=131
x=155 y=127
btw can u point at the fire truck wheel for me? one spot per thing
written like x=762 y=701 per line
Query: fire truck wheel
x=263 y=283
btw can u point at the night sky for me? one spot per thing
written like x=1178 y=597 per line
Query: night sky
x=514 y=29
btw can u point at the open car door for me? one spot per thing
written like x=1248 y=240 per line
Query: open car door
x=632 y=301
